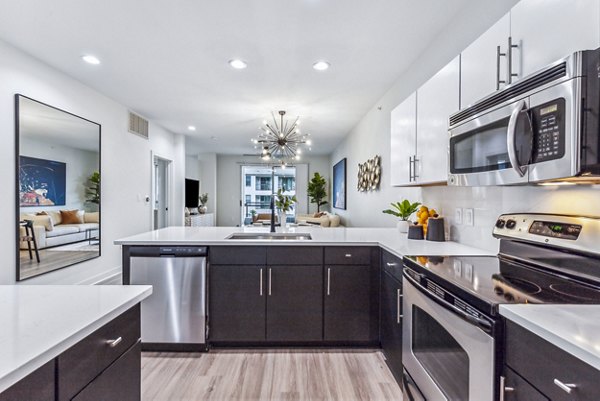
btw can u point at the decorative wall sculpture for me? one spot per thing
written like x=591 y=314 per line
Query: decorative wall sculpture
x=369 y=174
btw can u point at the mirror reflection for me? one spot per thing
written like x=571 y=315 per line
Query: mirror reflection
x=58 y=180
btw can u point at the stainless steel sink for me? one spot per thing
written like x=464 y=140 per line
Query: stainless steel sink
x=271 y=236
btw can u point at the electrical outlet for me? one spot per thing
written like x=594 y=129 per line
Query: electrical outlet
x=458 y=216
x=469 y=217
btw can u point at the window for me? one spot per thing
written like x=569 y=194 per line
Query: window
x=248 y=180
x=263 y=183
x=248 y=199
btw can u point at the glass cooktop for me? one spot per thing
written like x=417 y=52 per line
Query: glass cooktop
x=487 y=281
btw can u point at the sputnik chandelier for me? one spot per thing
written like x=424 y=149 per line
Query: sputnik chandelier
x=281 y=142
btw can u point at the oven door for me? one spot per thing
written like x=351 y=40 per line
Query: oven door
x=448 y=356
x=492 y=149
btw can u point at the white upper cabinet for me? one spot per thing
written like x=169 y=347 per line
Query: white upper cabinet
x=548 y=30
x=403 y=141
x=436 y=100
x=481 y=65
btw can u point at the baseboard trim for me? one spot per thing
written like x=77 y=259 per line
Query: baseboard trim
x=110 y=277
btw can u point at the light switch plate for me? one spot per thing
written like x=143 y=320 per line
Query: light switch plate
x=458 y=216
x=469 y=217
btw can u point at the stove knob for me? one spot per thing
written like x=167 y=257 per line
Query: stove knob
x=510 y=224
x=500 y=223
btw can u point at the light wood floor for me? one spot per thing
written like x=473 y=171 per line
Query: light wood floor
x=268 y=375
x=51 y=260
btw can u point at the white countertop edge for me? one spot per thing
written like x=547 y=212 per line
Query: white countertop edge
x=238 y=242
x=41 y=359
x=592 y=359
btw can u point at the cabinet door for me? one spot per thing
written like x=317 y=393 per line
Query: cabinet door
x=403 y=141
x=436 y=100
x=548 y=30
x=391 y=323
x=479 y=63
x=237 y=302
x=347 y=303
x=295 y=303
x=37 y=386
x=121 y=381
x=517 y=389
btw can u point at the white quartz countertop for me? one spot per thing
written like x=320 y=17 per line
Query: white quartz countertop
x=39 y=322
x=388 y=238
x=573 y=328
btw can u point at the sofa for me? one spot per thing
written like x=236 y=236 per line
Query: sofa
x=50 y=230
x=323 y=219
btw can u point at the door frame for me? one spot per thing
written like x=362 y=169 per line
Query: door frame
x=154 y=157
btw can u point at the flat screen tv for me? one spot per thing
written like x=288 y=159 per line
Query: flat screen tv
x=192 y=190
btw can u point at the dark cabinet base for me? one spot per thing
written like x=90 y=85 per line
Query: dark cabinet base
x=37 y=386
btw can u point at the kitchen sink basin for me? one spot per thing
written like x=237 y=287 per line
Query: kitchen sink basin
x=271 y=236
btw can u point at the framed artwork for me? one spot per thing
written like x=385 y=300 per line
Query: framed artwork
x=339 y=185
x=42 y=182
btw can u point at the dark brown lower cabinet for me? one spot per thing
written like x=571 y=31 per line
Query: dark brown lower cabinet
x=104 y=366
x=348 y=300
x=121 y=381
x=517 y=389
x=391 y=323
x=237 y=303
x=295 y=303
x=37 y=386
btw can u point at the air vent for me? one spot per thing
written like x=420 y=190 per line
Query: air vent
x=520 y=88
x=138 y=125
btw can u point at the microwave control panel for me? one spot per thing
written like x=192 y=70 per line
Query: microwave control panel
x=548 y=124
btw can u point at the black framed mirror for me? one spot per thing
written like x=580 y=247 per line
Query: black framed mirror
x=57 y=188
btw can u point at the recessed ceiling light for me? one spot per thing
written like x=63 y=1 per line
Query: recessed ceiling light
x=238 y=64
x=191 y=128
x=321 y=65
x=88 y=58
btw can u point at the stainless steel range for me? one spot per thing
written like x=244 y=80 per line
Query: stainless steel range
x=453 y=334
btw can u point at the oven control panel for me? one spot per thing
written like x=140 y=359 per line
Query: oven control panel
x=562 y=231
x=548 y=125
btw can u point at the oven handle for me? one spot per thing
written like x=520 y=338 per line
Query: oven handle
x=511 y=138
x=483 y=324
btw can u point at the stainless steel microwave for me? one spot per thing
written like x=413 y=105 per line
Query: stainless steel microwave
x=542 y=128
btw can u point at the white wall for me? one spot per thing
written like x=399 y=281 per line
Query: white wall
x=81 y=164
x=372 y=136
x=229 y=183
x=192 y=168
x=126 y=163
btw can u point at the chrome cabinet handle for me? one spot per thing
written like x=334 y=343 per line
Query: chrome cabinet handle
x=261 y=282
x=498 y=55
x=511 y=138
x=398 y=298
x=390 y=264
x=410 y=169
x=328 y=280
x=566 y=387
x=270 y=280
x=115 y=342
x=510 y=75
x=415 y=175
x=504 y=389
x=348 y=255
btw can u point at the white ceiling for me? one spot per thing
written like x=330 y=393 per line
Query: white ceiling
x=167 y=60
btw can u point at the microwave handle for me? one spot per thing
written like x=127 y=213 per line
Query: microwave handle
x=511 y=138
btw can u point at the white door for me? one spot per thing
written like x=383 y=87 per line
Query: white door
x=480 y=63
x=548 y=30
x=161 y=196
x=436 y=100
x=403 y=145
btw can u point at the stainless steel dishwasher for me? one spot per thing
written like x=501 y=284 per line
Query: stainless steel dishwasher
x=174 y=316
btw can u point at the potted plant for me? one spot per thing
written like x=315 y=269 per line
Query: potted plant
x=92 y=191
x=203 y=200
x=284 y=204
x=316 y=191
x=403 y=210
x=253 y=214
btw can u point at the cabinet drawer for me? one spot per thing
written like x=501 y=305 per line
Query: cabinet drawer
x=237 y=255
x=81 y=363
x=121 y=381
x=295 y=255
x=517 y=389
x=540 y=363
x=348 y=255
x=392 y=264
x=37 y=386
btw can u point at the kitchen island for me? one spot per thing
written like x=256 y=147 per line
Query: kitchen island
x=52 y=338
